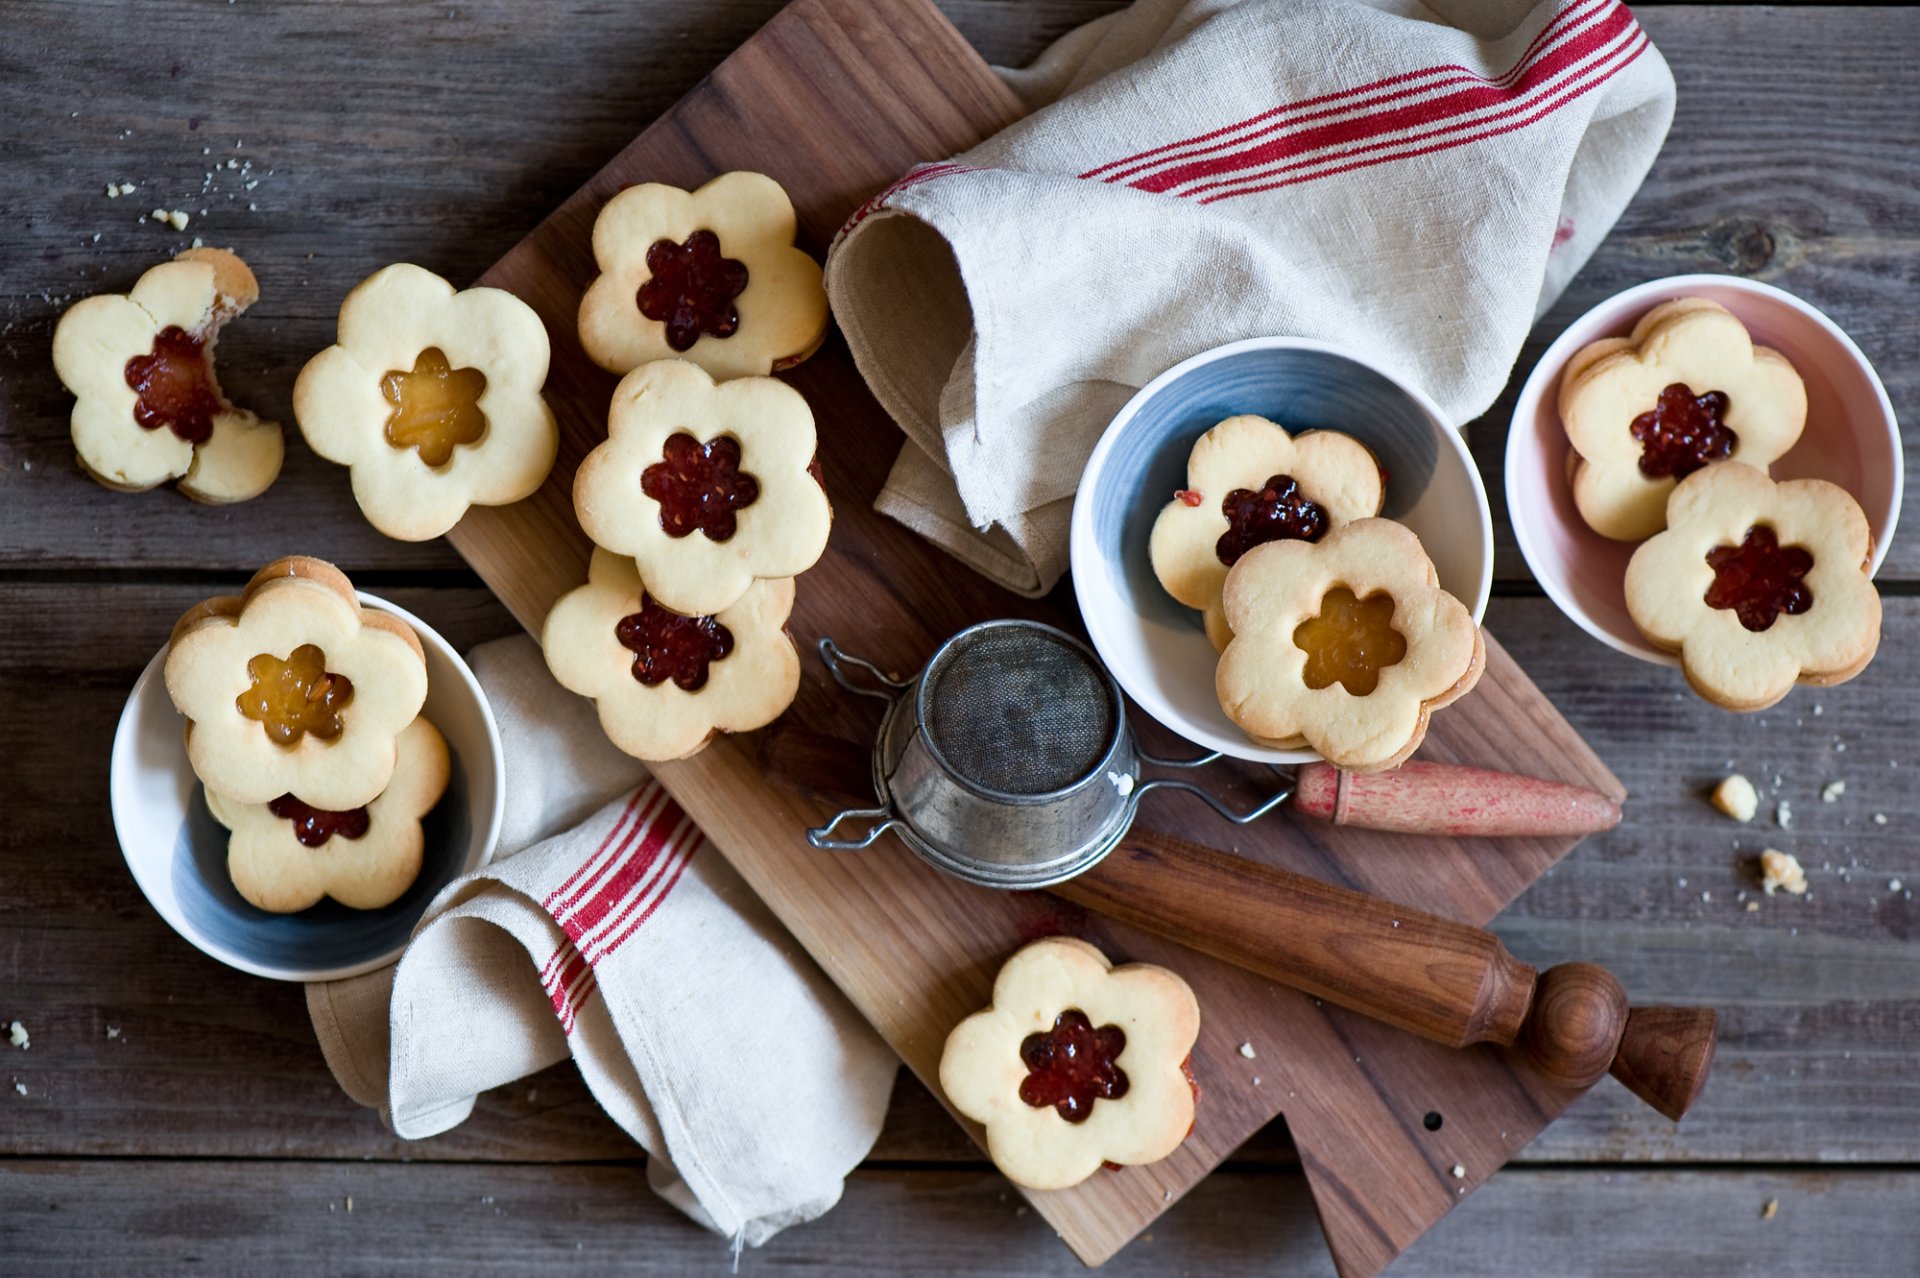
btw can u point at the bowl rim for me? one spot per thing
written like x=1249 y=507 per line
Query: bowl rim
x=1534 y=389
x=123 y=744
x=1080 y=534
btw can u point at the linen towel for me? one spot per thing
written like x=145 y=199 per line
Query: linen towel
x=607 y=928
x=1199 y=171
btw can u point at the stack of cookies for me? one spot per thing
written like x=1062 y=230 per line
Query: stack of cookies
x=1756 y=585
x=1333 y=630
x=705 y=499
x=304 y=727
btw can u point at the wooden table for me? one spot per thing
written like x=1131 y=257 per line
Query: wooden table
x=178 y=1114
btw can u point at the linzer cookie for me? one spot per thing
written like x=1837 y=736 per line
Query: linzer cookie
x=711 y=276
x=1076 y=1063
x=1758 y=585
x=148 y=407
x=431 y=399
x=707 y=487
x=1687 y=389
x=1348 y=643
x=293 y=688
x=665 y=682
x=1248 y=483
x=284 y=855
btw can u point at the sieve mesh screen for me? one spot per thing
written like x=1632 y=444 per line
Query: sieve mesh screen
x=1018 y=710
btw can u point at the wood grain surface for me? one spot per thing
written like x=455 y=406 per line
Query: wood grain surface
x=207 y=1134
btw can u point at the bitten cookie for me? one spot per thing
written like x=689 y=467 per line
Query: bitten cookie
x=284 y=856
x=147 y=405
x=293 y=688
x=1076 y=1063
x=711 y=276
x=1349 y=643
x=1687 y=389
x=1758 y=585
x=431 y=399
x=1249 y=483
x=706 y=486
x=664 y=682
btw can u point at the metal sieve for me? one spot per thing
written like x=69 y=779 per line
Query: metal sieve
x=1007 y=760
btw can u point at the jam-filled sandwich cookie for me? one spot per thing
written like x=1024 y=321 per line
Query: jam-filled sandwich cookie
x=1758 y=585
x=1248 y=483
x=710 y=276
x=1076 y=1063
x=293 y=688
x=1348 y=643
x=284 y=855
x=665 y=682
x=432 y=400
x=1687 y=389
x=706 y=486
x=148 y=407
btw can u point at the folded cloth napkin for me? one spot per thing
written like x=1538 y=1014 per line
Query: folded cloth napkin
x=1197 y=171
x=608 y=928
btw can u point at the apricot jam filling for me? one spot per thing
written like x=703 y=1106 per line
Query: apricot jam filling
x=294 y=697
x=173 y=386
x=436 y=407
x=1350 y=641
x=691 y=288
x=1072 y=1065
x=1759 y=579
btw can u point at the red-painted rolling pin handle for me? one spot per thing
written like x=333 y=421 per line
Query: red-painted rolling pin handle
x=1444 y=798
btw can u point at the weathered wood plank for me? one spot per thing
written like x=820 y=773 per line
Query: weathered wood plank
x=455 y=154
x=293 y=1219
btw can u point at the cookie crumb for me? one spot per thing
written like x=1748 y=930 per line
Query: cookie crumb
x=17 y=1035
x=1246 y=1050
x=1770 y=1209
x=19 y=1087
x=1783 y=814
x=1879 y=818
x=349 y=1204
x=1736 y=797
x=1753 y=907
x=113 y=1031
x=1780 y=870
x=1832 y=791
x=1894 y=885
x=1459 y=1172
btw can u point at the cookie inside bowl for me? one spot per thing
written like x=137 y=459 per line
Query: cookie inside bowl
x=1156 y=647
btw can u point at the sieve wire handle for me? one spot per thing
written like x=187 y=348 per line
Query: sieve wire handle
x=822 y=836
x=837 y=660
x=1265 y=806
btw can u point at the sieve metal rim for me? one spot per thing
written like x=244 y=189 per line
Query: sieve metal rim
x=1053 y=633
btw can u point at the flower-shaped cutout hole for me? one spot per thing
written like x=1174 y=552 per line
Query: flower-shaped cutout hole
x=1279 y=511
x=690 y=289
x=671 y=645
x=1683 y=432
x=1073 y=1065
x=173 y=386
x=312 y=826
x=1760 y=579
x=1350 y=641
x=291 y=698
x=699 y=486
x=436 y=407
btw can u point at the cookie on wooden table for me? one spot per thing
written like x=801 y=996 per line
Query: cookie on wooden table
x=148 y=407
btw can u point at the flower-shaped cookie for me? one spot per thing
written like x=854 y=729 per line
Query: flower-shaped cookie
x=148 y=407
x=284 y=855
x=1689 y=388
x=711 y=276
x=706 y=486
x=1349 y=643
x=1248 y=483
x=1076 y=1063
x=665 y=682
x=293 y=688
x=1758 y=585
x=431 y=399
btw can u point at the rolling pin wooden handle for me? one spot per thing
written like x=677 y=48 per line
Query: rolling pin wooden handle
x=1440 y=979
x=1445 y=798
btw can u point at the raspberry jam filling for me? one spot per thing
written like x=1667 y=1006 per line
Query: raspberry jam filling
x=1072 y=1065
x=173 y=386
x=690 y=288
x=1278 y=512
x=1683 y=432
x=699 y=486
x=314 y=826
x=436 y=407
x=671 y=645
x=294 y=697
x=1759 y=579
x=1350 y=642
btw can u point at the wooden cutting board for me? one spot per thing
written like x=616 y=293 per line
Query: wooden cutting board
x=836 y=98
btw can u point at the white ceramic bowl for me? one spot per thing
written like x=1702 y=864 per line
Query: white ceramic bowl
x=1851 y=439
x=1153 y=644
x=178 y=852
